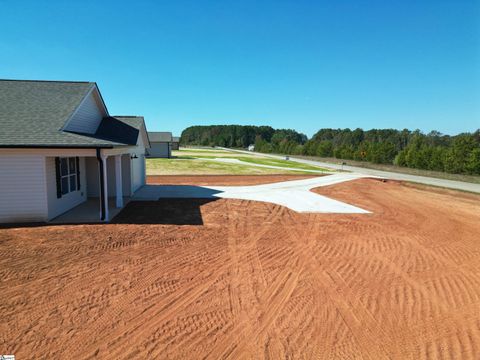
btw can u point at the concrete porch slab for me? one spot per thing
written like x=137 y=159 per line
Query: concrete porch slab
x=88 y=212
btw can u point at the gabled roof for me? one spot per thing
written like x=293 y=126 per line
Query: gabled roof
x=138 y=122
x=157 y=136
x=33 y=113
x=113 y=129
x=135 y=121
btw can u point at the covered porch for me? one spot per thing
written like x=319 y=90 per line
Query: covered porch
x=87 y=212
x=107 y=181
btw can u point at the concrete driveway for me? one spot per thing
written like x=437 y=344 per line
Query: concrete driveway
x=295 y=195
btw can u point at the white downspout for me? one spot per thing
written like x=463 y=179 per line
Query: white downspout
x=105 y=186
x=118 y=181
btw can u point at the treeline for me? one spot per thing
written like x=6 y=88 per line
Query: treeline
x=240 y=136
x=433 y=151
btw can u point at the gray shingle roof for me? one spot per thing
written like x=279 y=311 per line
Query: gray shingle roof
x=160 y=136
x=176 y=139
x=135 y=121
x=32 y=114
x=138 y=122
x=113 y=129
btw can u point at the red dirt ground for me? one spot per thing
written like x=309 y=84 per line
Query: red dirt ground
x=219 y=180
x=255 y=280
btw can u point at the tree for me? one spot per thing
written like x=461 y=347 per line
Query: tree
x=324 y=149
x=432 y=151
x=458 y=154
x=473 y=162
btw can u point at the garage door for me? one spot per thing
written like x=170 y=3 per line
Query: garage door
x=138 y=172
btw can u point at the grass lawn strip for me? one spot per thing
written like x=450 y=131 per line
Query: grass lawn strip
x=186 y=166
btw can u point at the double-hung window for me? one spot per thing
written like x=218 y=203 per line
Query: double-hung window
x=67 y=176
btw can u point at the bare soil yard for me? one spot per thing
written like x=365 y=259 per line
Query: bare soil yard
x=219 y=180
x=251 y=280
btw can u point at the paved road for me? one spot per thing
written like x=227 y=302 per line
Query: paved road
x=458 y=185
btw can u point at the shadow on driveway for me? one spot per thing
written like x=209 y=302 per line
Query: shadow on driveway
x=155 y=192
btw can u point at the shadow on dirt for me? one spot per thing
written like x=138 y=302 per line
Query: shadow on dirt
x=163 y=211
x=167 y=205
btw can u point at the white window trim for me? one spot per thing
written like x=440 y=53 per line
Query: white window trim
x=68 y=175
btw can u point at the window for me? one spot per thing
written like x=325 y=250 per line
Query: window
x=68 y=175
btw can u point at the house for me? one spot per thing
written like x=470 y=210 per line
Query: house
x=175 y=143
x=160 y=144
x=60 y=149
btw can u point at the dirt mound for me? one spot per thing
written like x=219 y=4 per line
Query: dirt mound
x=253 y=280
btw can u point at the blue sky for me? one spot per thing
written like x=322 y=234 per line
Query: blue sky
x=289 y=64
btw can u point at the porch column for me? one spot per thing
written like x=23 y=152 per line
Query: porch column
x=118 y=181
x=105 y=186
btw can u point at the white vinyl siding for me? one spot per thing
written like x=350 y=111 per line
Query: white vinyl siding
x=57 y=206
x=138 y=166
x=138 y=172
x=88 y=116
x=126 y=175
x=133 y=175
x=22 y=188
x=159 y=150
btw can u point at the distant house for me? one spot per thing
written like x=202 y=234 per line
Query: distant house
x=160 y=144
x=175 y=143
x=59 y=147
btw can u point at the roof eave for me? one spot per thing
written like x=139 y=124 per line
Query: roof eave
x=40 y=146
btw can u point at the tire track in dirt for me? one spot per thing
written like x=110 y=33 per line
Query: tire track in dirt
x=270 y=338
x=55 y=256
x=276 y=296
x=248 y=245
x=243 y=252
x=193 y=292
x=407 y=298
x=331 y=272
x=272 y=301
x=235 y=225
x=245 y=262
x=431 y=304
x=164 y=310
x=35 y=314
x=237 y=255
x=410 y=294
x=274 y=341
x=390 y=338
x=362 y=325
x=299 y=227
x=99 y=330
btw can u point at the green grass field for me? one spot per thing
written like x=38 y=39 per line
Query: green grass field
x=192 y=161
x=203 y=153
x=202 y=150
x=277 y=162
x=181 y=166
